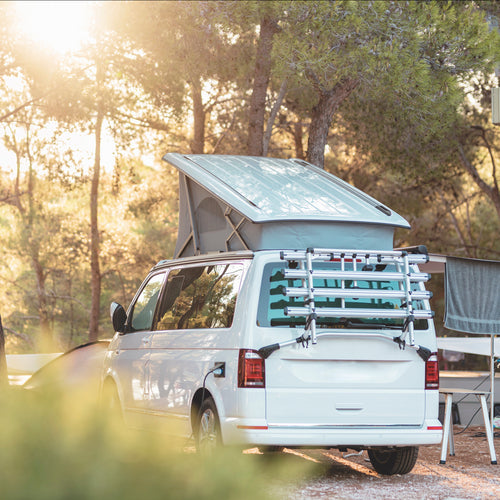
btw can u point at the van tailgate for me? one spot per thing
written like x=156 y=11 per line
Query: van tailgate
x=345 y=382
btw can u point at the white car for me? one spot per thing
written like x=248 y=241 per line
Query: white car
x=283 y=346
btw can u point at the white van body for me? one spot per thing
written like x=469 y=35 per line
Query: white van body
x=345 y=360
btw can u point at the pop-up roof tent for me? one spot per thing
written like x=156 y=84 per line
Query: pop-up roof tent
x=232 y=203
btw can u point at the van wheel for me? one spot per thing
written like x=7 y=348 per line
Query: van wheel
x=394 y=461
x=208 y=436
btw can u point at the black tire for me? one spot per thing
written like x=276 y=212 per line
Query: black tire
x=208 y=435
x=394 y=461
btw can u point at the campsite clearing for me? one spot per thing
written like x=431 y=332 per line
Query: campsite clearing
x=467 y=475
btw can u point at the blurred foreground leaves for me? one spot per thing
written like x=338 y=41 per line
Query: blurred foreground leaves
x=53 y=446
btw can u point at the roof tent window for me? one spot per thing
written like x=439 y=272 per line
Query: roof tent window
x=210 y=216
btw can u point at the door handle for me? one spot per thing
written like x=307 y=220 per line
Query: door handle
x=145 y=340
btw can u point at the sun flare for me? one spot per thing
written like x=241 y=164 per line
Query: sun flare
x=61 y=26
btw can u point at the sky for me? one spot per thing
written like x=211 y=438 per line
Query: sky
x=62 y=27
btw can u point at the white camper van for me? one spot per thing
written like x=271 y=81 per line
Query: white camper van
x=286 y=319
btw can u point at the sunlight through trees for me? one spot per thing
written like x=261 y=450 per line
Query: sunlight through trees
x=391 y=96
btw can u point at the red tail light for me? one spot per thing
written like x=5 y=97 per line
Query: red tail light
x=251 y=369
x=432 y=372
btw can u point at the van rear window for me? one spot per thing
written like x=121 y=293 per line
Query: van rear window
x=272 y=301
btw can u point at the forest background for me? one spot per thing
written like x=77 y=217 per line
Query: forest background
x=392 y=96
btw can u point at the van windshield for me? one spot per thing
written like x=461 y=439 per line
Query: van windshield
x=272 y=301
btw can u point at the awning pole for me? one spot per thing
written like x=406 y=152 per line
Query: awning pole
x=492 y=381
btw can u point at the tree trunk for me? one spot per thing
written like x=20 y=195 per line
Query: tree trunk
x=43 y=313
x=95 y=272
x=268 y=28
x=298 y=135
x=4 y=378
x=199 y=115
x=322 y=114
x=272 y=117
x=46 y=341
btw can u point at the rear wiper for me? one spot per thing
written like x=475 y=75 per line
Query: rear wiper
x=287 y=322
x=369 y=326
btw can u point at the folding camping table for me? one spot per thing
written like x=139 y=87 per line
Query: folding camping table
x=448 y=422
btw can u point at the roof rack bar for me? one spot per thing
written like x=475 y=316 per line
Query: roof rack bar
x=376 y=255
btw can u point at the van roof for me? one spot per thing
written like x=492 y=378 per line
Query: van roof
x=274 y=190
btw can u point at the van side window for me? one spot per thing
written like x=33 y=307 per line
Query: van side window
x=145 y=305
x=200 y=297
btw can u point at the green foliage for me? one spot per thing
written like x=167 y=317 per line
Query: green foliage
x=56 y=447
x=409 y=59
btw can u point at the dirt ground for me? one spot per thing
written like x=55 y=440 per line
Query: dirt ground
x=467 y=475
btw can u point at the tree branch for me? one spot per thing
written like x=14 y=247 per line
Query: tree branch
x=22 y=336
x=454 y=220
x=223 y=135
x=471 y=169
x=141 y=122
x=313 y=78
x=272 y=116
x=19 y=108
x=492 y=157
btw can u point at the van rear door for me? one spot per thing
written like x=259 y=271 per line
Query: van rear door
x=345 y=381
x=355 y=375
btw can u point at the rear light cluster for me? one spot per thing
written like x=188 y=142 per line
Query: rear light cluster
x=432 y=372
x=251 y=369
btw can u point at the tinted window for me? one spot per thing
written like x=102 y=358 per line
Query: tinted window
x=272 y=301
x=145 y=305
x=200 y=297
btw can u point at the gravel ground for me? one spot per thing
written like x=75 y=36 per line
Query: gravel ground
x=467 y=475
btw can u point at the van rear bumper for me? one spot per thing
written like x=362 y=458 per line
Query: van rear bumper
x=240 y=432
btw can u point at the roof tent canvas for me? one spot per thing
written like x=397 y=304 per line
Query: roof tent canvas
x=230 y=203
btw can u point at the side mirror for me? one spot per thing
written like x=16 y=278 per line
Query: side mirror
x=118 y=317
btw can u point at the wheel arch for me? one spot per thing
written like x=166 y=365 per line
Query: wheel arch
x=199 y=396
x=109 y=383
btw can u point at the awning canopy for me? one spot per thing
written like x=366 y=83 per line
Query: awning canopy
x=436 y=264
x=468 y=345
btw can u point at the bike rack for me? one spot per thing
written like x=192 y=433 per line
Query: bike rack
x=355 y=266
